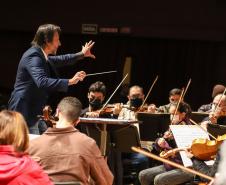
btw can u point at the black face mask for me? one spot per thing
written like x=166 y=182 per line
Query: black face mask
x=95 y=103
x=136 y=102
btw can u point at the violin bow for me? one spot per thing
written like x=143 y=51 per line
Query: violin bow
x=202 y=129
x=149 y=92
x=187 y=87
x=113 y=93
x=138 y=150
x=219 y=101
x=181 y=94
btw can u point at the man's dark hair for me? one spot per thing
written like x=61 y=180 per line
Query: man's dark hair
x=98 y=87
x=183 y=107
x=218 y=89
x=136 y=87
x=70 y=108
x=175 y=91
x=45 y=34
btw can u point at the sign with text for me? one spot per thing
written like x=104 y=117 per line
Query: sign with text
x=89 y=28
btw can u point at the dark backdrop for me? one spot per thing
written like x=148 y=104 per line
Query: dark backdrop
x=175 y=40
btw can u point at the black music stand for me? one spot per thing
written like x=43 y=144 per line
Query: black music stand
x=216 y=129
x=118 y=141
x=198 y=117
x=104 y=125
x=154 y=125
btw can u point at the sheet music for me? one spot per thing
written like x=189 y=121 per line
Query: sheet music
x=184 y=135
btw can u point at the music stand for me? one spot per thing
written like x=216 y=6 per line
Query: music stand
x=118 y=141
x=104 y=125
x=198 y=117
x=216 y=129
x=154 y=125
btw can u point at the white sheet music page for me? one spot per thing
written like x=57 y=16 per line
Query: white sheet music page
x=184 y=135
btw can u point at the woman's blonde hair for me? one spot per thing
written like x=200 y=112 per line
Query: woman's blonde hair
x=14 y=131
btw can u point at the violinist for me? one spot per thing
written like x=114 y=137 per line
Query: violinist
x=96 y=96
x=219 y=116
x=136 y=98
x=174 y=95
x=167 y=174
x=218 y=89
x=201 y=166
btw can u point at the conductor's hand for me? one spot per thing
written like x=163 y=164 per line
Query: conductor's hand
x=79 y=76
x=86 y=49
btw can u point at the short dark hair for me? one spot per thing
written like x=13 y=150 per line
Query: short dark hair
x=70 y=108
x=98 y=87
x=183 y=107
x=218 y=89
x=175 y=91
x=136 y=87
x=45 y=33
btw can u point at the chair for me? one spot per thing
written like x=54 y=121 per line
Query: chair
x=66 y=183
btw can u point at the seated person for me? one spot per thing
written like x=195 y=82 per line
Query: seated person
x=219 y=116
x=167 y=174
x=136 y=98
x=218 y=89
x=96 y=96
x=201 y=166
x=174 y=96
x=65 y=154
x=15 y=165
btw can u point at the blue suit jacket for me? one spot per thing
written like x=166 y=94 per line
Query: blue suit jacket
x=33 y=86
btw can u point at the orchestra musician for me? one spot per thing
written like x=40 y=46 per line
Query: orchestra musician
x=201 y=166
x=167 y=174
x=136 y=98
x=174 y=96
x=218 y=89
x=96 y=96
x=65 y=154
x=37 y=80
x=219 y=116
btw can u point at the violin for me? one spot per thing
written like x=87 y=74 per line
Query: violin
x=203 y=149
x=47 y=117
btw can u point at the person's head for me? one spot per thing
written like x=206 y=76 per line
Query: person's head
x=69 y=109
x=184 y=110
x=47 y=38
x=222 y=105
x=96 y=95
x=136 y=96
x=174 y=95
x=218 y=89
x=14 y=131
